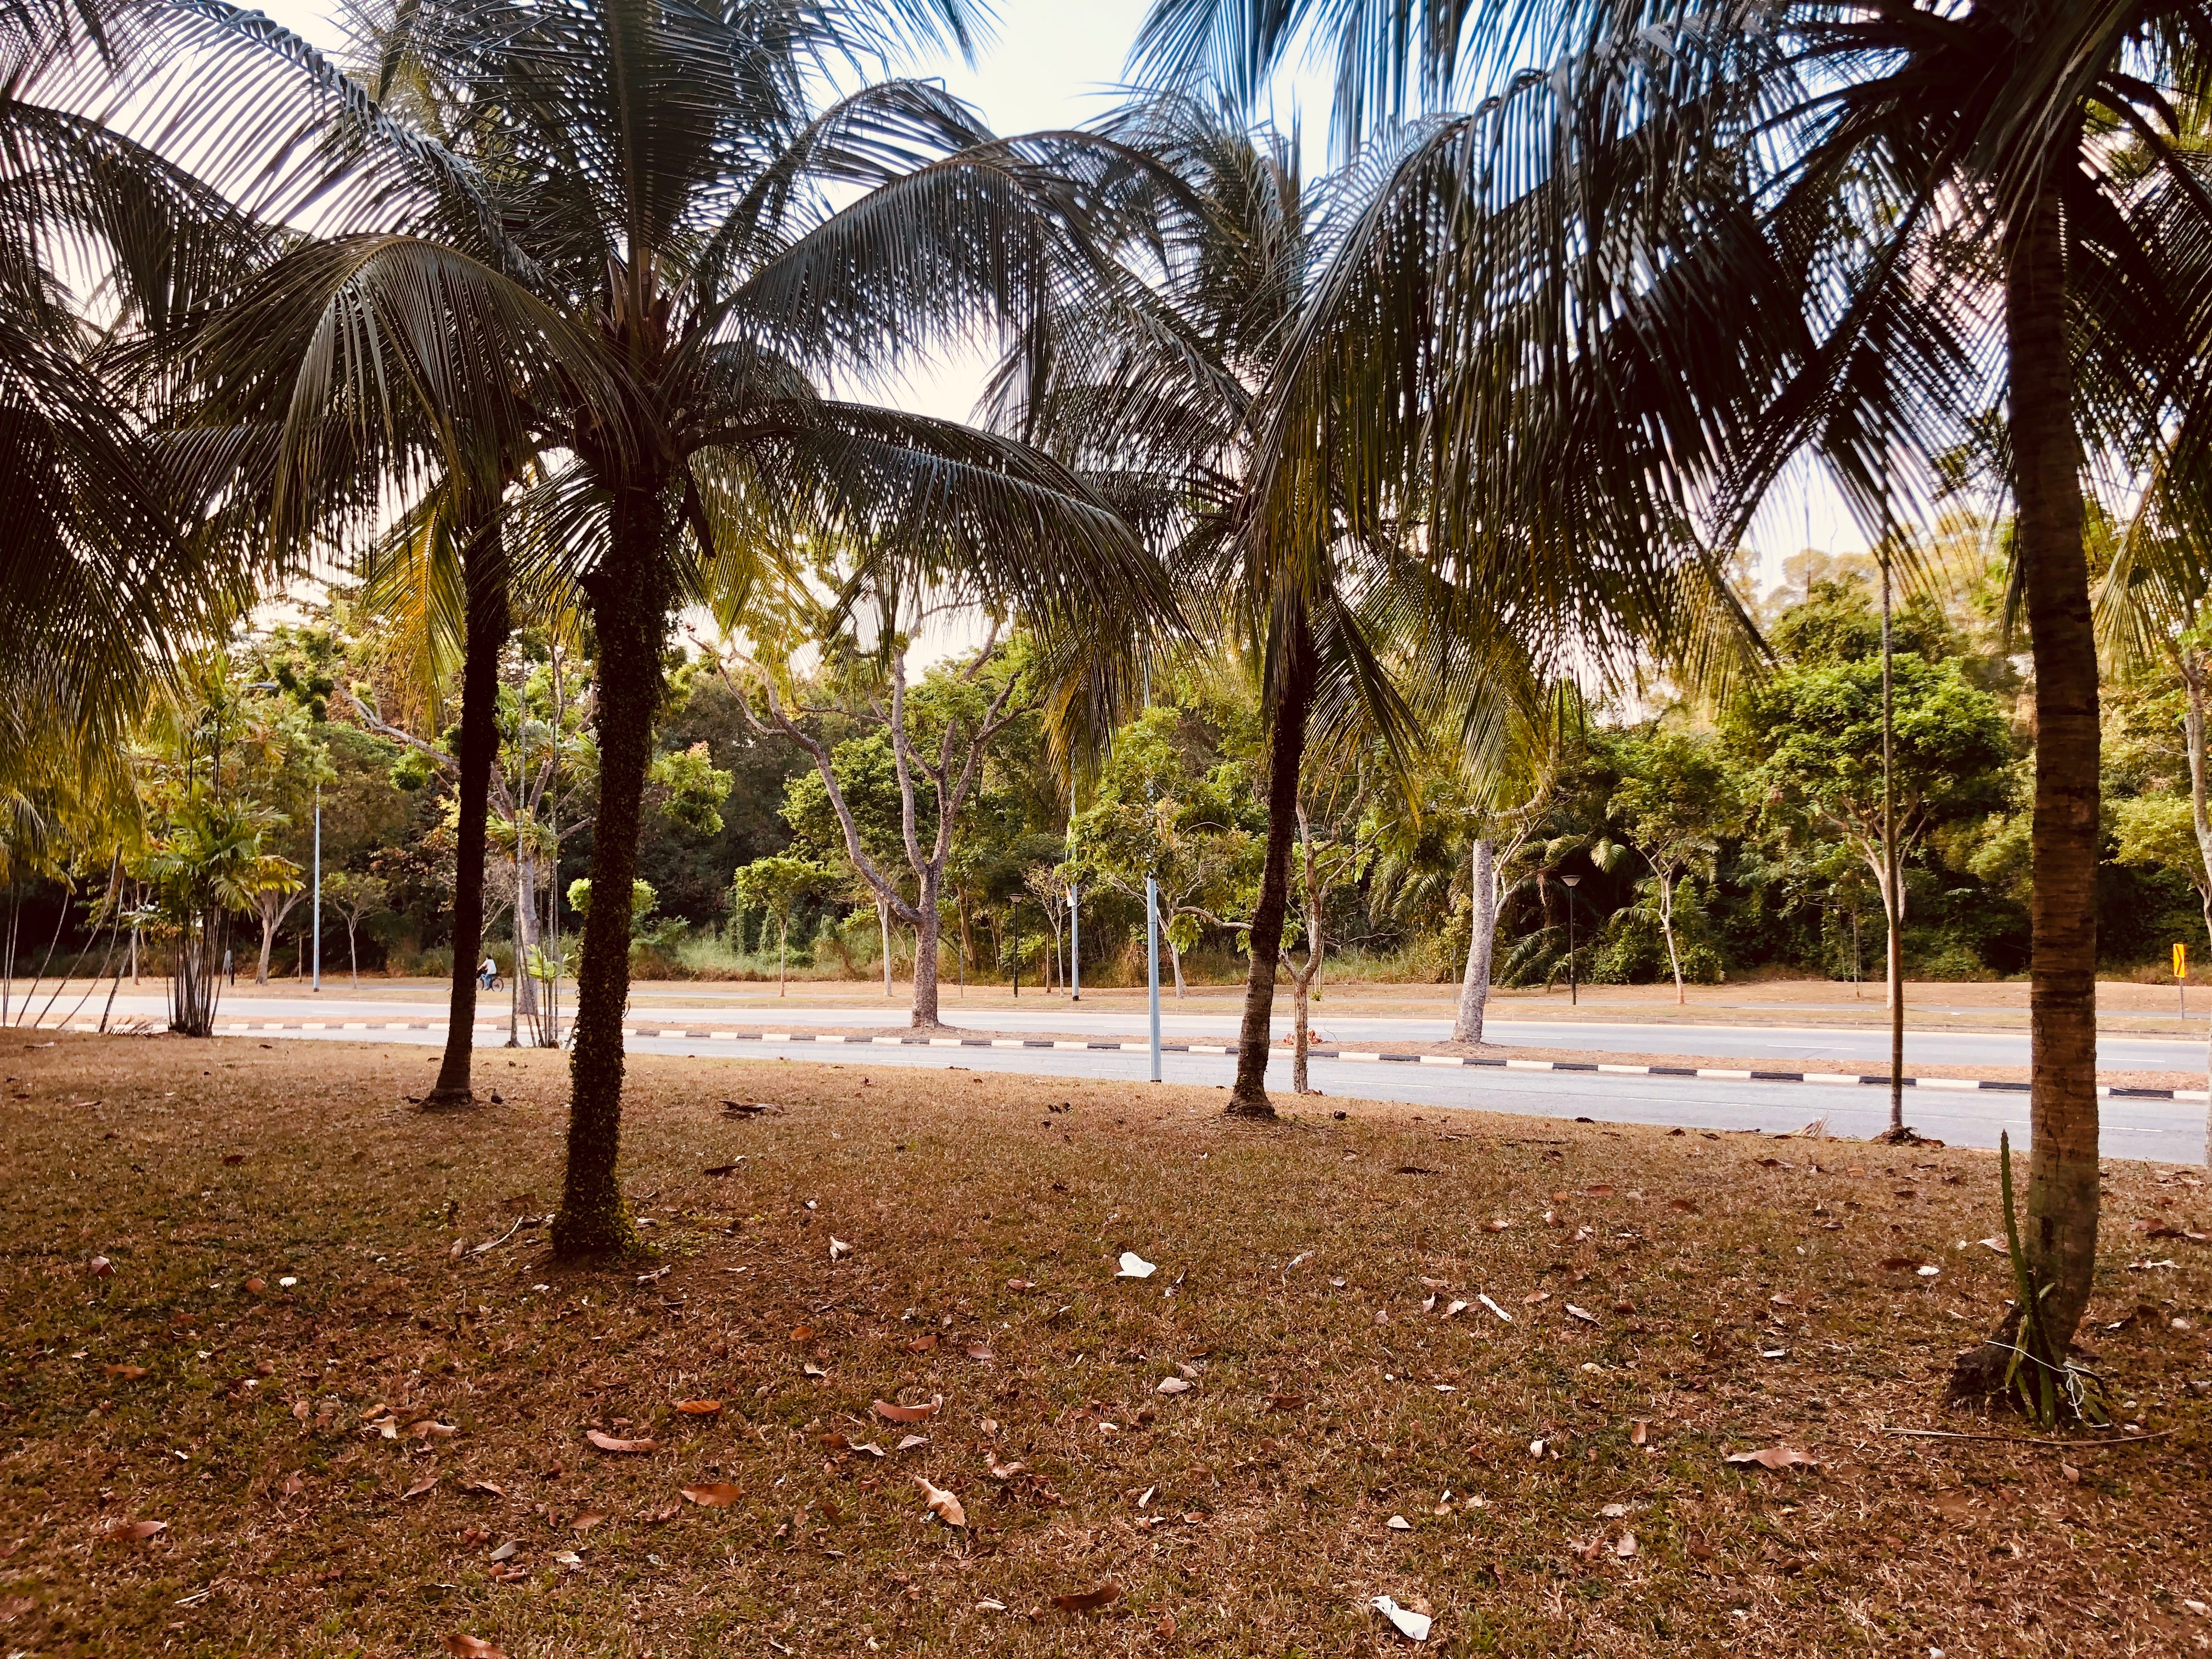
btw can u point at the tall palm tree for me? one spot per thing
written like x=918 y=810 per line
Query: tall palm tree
x=1234 y=407
x=650 y=290
x=1915 y=210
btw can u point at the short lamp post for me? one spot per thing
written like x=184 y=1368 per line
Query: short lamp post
x=1574 y=995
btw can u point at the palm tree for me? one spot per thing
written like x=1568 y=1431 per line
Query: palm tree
x=1241 y=409
x=1899 y=213
x=649 y=290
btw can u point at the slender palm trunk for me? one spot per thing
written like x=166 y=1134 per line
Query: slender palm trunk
x=1286 y=749
x=629 y=616
x=2062 y=1195
x=483 y=574
x=1474 y=984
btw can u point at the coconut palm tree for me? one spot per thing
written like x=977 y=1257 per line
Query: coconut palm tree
x=1915 y=212
x=1236 y=409
x=676 y=252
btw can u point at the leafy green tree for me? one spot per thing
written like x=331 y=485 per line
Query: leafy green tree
x=355 y=898
x=1165 y=807
x=1811 y=740
x=1675 y=805
x=776 y=884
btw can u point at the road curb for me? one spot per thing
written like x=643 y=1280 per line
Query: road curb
x=1355 y=1056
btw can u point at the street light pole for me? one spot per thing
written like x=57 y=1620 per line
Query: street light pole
x=1574 y=994
x=1074 y=902
x=316 y=922
x=1153 y=964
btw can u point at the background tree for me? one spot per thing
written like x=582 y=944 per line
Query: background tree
x=1675 y=806
x=355 y=898
x=776 y=885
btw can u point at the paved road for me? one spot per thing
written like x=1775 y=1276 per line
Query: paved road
x=1749 y=1041
x=2169 y=1131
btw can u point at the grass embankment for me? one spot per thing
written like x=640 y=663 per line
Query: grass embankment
x=1741 y=1294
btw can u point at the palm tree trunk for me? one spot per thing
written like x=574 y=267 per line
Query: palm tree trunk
x=1475 y=987
x=2062 y=1194
x=483 y=573
x=631 y=621
x=1287 y=749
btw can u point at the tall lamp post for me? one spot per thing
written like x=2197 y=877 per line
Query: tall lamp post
x=316 y=922
x=1574 y=994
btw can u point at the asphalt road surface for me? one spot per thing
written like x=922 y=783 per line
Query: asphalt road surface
x=2167 y=1131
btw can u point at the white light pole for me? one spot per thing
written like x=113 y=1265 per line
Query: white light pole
x=317 y=900
x=1153 y=964
x=1075 y=896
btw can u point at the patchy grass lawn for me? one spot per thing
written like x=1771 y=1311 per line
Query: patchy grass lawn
x=359 y=1441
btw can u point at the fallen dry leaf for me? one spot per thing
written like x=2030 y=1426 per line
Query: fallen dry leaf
x=909 y=1441
x=941 y=1503
x=607 y=1442
x=428 y=1426
x=135 y=1532
x=721 y=1495
x=1639 y=1431
x=1582 y=1314
x=891 y=1414
x=421 y=1486
x=977 y=1351
x=126 y=1373
x=473 y=1647
x=482 y=1489
x=1776 y=1457
x=1171 y=1385
x=1007 y=1471
x=1497 y=1224
x=923 y=1343
x=1627 y=1547
x=699 y=1407
x=1135 y=1267
x=1086 y=1600
x=1398 y=1523
x=584 y=1520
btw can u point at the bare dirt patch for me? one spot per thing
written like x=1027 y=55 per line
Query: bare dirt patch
x=1729 y=1292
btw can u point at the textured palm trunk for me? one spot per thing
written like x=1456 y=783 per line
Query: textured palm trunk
x=483 y=575
x=1482 y=941
x=2061 y=1239
x=1286 y=749
x=630 y=619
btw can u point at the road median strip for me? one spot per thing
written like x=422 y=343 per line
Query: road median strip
x=1705 y=1073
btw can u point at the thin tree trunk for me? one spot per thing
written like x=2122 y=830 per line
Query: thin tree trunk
x=2062 y=1193
x=1667 y=927
x=1175 y=960
x=632 y=623
x=1475 y=987
x=1286 y=747
x=884 y=923
x=925 y=1016
x=353 y=956
x=782 y=955
x=483 y=575
x=525 y=929
x=268 y=943
x=1301 y=1027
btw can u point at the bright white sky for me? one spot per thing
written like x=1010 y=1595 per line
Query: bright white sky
x=1058 y=63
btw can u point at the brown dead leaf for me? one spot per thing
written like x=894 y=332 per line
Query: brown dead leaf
x=429 y=1427
x=923 y=1343
x=1497 y=1224
x=1775 y=1457
x=482 y=1489
x=473 y=1647
x=1639 y=1431
x=1285 y=1402
x=1627 y=1547
x=803 y=1333
x=134 y=1532
x=662 y=1515
x=421 y=1486
x=941 y=1503
x=977 y=1351
x=584 y=1520
x=1900 y=1264
x=721 y=1495
x=1021 y=1284
x=1007 y=1471
x=607 y=1442
x=909 y=1441
x=125 y=1373
x=891 y=1414
x=699 y=1407
x=1687 y=1206
x=1602 y=1190
x=1088 y=1601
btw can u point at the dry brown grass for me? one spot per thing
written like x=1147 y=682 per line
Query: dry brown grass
x=1738 y=1304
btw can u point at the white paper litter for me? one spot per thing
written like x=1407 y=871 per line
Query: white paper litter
x=1135 y=1267
x=1414 y=1626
